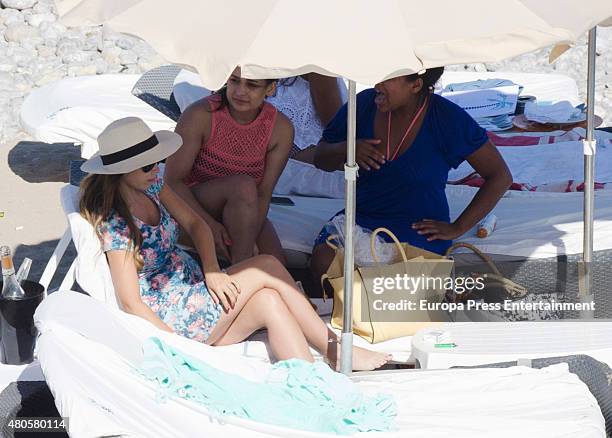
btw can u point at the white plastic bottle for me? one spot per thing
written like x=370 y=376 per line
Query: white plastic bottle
x=486 y=226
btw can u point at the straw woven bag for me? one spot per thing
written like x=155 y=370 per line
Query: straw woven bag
x=370 y=324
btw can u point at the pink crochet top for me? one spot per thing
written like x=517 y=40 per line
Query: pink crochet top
x=232 y=148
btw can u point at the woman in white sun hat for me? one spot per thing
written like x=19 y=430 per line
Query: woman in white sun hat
x=137 y=219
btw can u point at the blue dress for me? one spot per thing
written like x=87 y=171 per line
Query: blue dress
x=171 y=282
x=411 y=187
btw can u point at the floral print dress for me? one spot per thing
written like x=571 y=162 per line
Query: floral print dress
x=171 y=282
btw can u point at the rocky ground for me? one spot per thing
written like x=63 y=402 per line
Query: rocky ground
x=36 y=49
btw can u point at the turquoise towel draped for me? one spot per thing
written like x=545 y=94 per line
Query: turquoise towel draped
x=296 y=394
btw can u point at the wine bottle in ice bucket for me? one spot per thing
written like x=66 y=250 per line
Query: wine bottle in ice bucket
x=11 y=289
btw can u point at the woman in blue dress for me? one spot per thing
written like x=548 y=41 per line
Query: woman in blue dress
x=137 y=217
x=408 y=138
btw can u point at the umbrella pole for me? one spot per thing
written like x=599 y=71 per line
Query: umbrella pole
x=589 y=176
x=350 y=175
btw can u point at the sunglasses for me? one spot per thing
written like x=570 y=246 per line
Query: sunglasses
x=149 y=167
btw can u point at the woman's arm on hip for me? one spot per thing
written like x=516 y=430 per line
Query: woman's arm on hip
x=488 y=162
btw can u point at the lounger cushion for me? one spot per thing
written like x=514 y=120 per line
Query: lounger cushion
x=87 y=350
x=91 y=271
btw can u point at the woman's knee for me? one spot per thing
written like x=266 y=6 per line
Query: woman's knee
x=269 y=302
x=267 y=263
x=244 y=188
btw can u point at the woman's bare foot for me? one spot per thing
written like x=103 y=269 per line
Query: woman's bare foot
x=363 y=359
x=366 y=360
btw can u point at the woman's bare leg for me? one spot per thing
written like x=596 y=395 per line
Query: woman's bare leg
x=266 y=309
x=322 y=256
x=269 y=243
x=233 y=201
x=265 y=272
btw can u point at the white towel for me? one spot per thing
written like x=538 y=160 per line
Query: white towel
x=559 y=112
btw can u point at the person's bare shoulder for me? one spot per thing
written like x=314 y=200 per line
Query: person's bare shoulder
x=197 y=110
x=282 y=134
x=195 y=120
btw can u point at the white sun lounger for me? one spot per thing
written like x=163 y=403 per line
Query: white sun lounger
x=87 y=352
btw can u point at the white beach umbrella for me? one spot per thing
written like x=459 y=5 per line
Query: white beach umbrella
x=362 y=40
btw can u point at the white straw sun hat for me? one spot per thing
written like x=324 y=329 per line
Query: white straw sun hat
x=128 y=144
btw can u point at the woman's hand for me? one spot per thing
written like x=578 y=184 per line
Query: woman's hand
x=367 y=156
x=222 y=288
x=222 y=239
x=437 y=230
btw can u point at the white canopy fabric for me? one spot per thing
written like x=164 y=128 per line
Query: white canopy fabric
x=388 y=38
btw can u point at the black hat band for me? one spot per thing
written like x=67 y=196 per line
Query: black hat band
x=130 y=152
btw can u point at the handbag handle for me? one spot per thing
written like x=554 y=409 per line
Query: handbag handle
x=329 y=241
x=514 y=289
x=476 y=251
x=393 y=237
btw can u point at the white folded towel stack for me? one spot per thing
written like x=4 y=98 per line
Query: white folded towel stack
x=560 y=112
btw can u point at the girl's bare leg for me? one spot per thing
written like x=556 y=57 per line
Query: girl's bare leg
x=266 y=309
x=232 y=200
x=265 y=272
x=269 y=243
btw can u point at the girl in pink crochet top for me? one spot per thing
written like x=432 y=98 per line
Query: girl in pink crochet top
x=235 y=146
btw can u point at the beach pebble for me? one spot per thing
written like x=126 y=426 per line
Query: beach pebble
x=101 y=66
x=18 y=4
x=23 y=85
x=16 y=106
x=125 y=42
x=77 y=57
x=111 y=55
x=115 y=68
x=6 y=81
x=45 y=51
x=37 y=19
x=67 y=46
x=44 y=66
x=109 y=34
x=52 y=30
x=51 y=76
x=131 y=69
x=32 y=43
x=8 y=16
x=82 y=70
x=45 y=7
x=7 y=67
x=17 y=32
x=24 y=57
x=92 y=42
x=128 y=57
